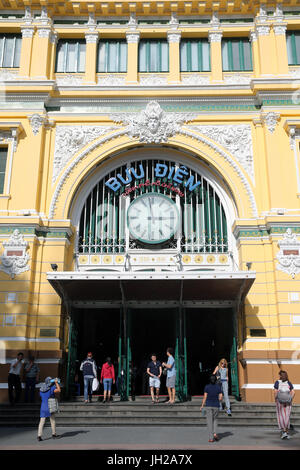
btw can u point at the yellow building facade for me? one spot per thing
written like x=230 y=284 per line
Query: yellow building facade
x=110 y=106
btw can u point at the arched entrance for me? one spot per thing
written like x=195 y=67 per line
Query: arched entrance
x=154 y=236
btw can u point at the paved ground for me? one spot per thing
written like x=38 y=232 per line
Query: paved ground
x=148 y=439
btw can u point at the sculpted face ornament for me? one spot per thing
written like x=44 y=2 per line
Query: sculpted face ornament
x=153 y=124
x=153 y=114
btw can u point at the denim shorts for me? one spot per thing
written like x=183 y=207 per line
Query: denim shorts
x=107 y=383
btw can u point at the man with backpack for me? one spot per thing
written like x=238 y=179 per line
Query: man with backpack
x=89 y=370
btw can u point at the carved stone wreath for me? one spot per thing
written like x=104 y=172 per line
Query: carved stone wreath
x=289 y=254
x=15 y=258
x=153 y=125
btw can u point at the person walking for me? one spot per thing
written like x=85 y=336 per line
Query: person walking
x=48 y=390
x=107 y=378
x=283 y=393
x=171 y=375
x=222 y=371
x=32 y=371
x=89 y=371
x=154 y=370
x=14 y=379
x=211 y=400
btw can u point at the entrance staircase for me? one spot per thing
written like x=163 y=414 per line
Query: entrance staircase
x=142 y=412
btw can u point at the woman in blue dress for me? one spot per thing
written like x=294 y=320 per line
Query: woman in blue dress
x=48 y=390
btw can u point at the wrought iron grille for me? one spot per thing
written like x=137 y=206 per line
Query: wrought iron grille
x=103 y=227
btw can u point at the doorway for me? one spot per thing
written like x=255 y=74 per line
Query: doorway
x=150 y=331
x=209 y=334
x=98 y=332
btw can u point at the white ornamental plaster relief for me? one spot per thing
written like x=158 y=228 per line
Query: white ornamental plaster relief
x=70 y=139
x=237 y=139
x=16 y=262
x=153 y=124
x=195 y=79
x=289 y=254
x=69 y=80
x=237 y=79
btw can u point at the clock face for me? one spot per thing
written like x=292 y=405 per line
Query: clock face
x=152 y=218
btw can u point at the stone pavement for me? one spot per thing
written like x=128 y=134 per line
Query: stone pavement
x=149 y=439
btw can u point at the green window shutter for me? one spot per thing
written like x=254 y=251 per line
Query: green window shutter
x=194 y=55
x=70 y=56
x=3 y=160
x=112 y=56
x=237 y=55
x=153 y=56
x=10 y=50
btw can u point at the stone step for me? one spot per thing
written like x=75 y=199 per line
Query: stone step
x=143 y=413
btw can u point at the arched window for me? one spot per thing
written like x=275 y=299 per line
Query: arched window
x=103 y=226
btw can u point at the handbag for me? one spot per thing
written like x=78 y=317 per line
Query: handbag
x=53 y=405
x=95 y=384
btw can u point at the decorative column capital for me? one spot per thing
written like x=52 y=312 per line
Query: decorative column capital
x=279 y=28
x=27 y=31
x=133 y=37
x=253 y=36
x=174 y=36
x=91 y=37
x=215 y=35
x=262 y=29
x=37 y=121
x=270 y=120
x=44 y=32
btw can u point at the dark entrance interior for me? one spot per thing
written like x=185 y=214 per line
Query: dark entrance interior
x=209 y=334
x=98 y=332
x=151 y=331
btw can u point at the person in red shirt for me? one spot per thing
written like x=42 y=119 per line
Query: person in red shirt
x=107 y=378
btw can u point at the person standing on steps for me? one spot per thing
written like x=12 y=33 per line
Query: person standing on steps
x=14 y=379
x=171 y=375
x=154 y=370
x=211 y=400
x=107 y=378
x=283 y=393
x=89 y=370
x=31 y=370
x=48 y=390
x=222 y=371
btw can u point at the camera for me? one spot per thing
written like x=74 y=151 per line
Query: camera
x=55 y=380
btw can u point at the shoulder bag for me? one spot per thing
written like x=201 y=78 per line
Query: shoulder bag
x=53 y=405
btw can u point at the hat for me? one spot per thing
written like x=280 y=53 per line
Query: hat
x=46 y=385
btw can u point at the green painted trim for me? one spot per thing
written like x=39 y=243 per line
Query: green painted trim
x=23 y=230
x=265 y=233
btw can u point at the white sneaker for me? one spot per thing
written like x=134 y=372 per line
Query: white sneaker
x=284 y=435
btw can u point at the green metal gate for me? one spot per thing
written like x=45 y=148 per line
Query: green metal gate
x=234 y=370
x=181 y=356
x=72 y=354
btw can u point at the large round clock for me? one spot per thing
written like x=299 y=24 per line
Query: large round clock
x=152 y=218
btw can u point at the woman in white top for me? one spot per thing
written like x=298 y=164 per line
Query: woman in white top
x=222 y=371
